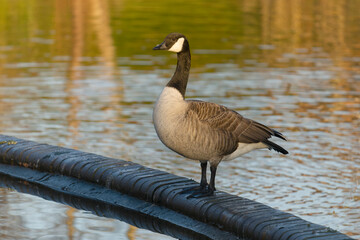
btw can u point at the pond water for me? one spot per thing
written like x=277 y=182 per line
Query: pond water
x=81 y=74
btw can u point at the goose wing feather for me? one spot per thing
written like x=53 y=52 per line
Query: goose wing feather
x=229 y=122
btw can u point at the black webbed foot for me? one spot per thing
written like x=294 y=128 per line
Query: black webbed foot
x=205 y=189
x=203 y=193
x=194 y=189
x=198 y=191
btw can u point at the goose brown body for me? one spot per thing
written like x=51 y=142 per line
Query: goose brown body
x=200 y=130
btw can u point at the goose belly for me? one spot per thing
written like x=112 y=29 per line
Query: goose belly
x=185 y=141
x=176 y=131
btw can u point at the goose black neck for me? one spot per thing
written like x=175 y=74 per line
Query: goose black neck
x=181 y=75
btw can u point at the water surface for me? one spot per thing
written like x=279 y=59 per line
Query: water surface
x=81 y=74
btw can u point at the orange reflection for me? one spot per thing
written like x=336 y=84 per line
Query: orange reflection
x=70 y=222
x=74 y=71
x=131 y=233
x=100 y=24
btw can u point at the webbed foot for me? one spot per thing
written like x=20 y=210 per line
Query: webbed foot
x=198 y=191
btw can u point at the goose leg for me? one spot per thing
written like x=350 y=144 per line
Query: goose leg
x=209 y=189
x=212 y=178
x=203 y=182
x=205 y=188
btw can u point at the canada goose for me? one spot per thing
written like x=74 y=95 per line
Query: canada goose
x=203 y=131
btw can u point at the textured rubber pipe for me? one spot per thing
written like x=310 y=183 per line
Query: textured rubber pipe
x=242 y=217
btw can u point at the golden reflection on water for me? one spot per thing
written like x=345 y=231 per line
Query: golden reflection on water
x=70 y=222
x=100 y=24
x=81 y=74
x=131 y=233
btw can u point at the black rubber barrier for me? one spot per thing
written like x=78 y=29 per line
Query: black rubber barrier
x=107 y=203
x=233 y=215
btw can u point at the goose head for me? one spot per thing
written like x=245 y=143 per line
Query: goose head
x=174 y=42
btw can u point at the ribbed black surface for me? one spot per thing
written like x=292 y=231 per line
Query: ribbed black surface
x=239 y=216
x=105 y=202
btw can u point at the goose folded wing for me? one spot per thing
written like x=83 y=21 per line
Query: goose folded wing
x=230 y=122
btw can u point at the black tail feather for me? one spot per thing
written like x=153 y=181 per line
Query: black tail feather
x=279 y=135
x=276 y=147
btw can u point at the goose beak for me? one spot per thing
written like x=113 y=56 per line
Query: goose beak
x=160 y=46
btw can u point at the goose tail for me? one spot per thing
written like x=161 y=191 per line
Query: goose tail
x=276 y=147
x=278 y=134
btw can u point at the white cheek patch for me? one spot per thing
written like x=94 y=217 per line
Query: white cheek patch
x=177 y=47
